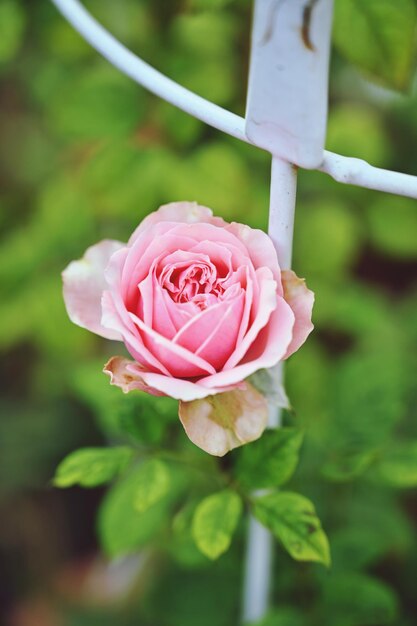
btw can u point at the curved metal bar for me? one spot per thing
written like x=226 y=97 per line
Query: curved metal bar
x=353 y=171
x=146 y=75
x=343 y=169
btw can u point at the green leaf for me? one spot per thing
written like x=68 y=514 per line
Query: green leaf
x=152 y=484
x=270 y=461
x=398 y=466
x=292 y=519
x=368 y=399
x=122 y=528
x=12 y=24
x=182 y=545
x=356 y=599
x=97 y=104
x=214 y=522
x=357 y=546
x=90 y=467
x=378 y=36
x=146 y=418
x=393 y=226
x=348 y=465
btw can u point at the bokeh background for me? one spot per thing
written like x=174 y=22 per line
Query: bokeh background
x=85 y=154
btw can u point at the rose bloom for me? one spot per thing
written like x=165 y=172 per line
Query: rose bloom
x=200 y=305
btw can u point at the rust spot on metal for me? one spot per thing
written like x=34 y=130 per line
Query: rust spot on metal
x=271 y=22
x=305 y=28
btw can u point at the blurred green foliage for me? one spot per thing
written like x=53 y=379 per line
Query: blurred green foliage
x=86 y=154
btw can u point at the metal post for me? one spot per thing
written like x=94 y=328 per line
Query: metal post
x=259 y=556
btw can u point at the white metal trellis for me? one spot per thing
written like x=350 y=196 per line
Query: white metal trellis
x=286 y=115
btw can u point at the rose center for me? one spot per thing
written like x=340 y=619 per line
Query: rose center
x=196 y=282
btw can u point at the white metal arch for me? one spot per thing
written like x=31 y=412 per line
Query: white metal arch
x=343 y=169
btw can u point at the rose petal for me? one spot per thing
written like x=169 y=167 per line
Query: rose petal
x=180 y=312
x=249 y=301
x=213 y=234
x=180 y=362
x=115 y=316
x=260 y=248
x=182 y=389
x=143 y=254
x=126 y=375
x=84 y=283
x=225 y=421
x=213 y=332
x=164 y=312
x=301 y=300
x=268 y=299
x=269 y=347
x=187 y=212
x=220 y=256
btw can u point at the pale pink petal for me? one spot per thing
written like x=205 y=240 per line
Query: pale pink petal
x=249 y=303
x=84 y=283
x=225 y=421
x=211 y=233
x=268 y=300
x=126 y=374
x=164 y=313
x=145 y=310
x=164 y=238
x=180 y=312
x=114 y=269
x=227 y=257
x=115 y=316
x=260 y=248
x=301 y=300
x=187 y=212
x=213 y=332
x=180 y=362
x=182 y=389
x=268 y=349
x=142 y=255
x=221 y=342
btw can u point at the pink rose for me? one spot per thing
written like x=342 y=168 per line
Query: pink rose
x=200 y=305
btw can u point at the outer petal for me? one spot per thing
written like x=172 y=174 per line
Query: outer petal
x=260 y=248
x=266 y=351
x=183 y=389
x=84 y=283
x=116 y=317
x=186 y=212
x=301 y=300
x=126 y=375
x=268 y=302
x=220 y=423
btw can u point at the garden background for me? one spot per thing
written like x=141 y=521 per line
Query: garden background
x=85 y=154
